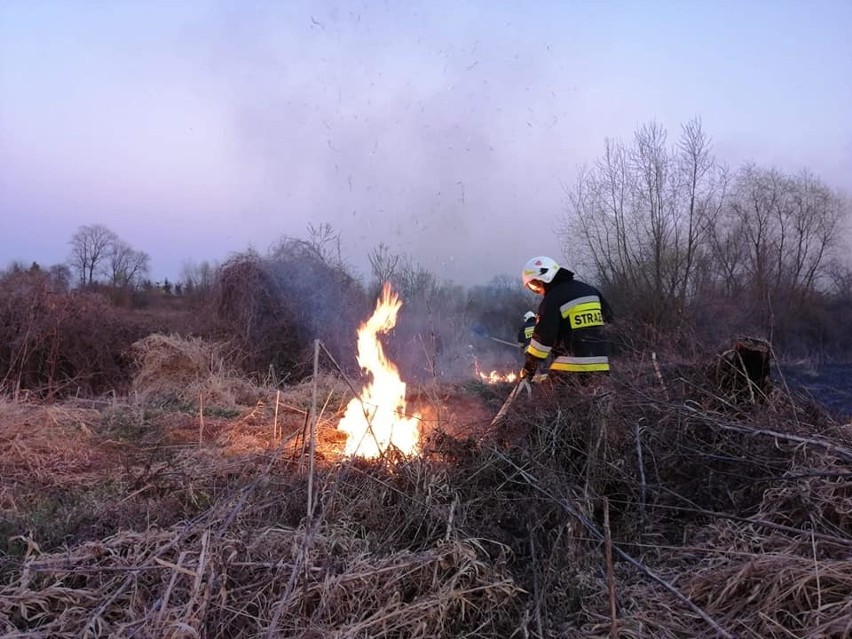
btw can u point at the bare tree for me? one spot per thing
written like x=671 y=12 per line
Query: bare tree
x=728 y=248
x=702 y=183
x=90 y=249
x=325 y=242
x=653 y=209
x=755 y=198
x=383 y=264
x=126 y=265
x=16 y=266
x=596 y=232
x=816 y=216
x=410 y=279
x=640 y=217
x=779 y=233
x=416 y=282
x=199 y=277
x=839 y=275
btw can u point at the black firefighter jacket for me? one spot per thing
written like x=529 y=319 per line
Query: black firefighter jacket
x=570 y=322
x=526 y=333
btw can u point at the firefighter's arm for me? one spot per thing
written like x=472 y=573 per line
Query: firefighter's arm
x=543 y=339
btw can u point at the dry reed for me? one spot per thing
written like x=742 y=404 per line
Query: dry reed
x=723 y=518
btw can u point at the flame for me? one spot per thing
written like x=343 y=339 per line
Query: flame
x=383 y=399
x=494 y=377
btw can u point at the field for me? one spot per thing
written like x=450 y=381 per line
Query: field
x=648 y=507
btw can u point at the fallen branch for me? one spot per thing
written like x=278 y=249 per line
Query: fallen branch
x=840 y=451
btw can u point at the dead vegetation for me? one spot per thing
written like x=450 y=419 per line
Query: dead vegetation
x=652 y=507
x=271 y=307
x=58 y=344
x=171 y=368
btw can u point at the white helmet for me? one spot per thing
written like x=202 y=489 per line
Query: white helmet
x=541 y=268
x=528 y=315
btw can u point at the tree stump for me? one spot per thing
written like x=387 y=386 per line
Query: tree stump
x=741 y=373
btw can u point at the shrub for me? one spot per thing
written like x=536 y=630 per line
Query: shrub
x=54 y=343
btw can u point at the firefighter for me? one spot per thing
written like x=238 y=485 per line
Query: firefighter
x=526 y=332
x=571 y=317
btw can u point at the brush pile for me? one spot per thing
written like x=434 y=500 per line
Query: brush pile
x=654 y=506
x=171 y=368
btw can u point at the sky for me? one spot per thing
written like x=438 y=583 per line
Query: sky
x=448 y=131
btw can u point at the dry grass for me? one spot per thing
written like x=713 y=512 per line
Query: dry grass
x=208 y=580
x=172 y=368
x=45 y=446
x=725 y=519
x=250 y=562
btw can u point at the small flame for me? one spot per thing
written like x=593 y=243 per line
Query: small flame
x=383 y=399
x=494 y=377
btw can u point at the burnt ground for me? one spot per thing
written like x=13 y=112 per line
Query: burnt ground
x=828 y=384
x=462 y=410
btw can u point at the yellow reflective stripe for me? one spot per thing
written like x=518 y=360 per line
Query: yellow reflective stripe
x=585 y=314
x=537 y=353
x=582 y=308
x=589 y=359
x=578 y=368
x=538 y=349
x=528 y=332
x=580 y=364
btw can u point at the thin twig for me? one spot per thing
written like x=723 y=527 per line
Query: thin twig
x=643 y=486
x=536 y=586
x=610 y=572
x=200 y=417
x=659 y=374
x=275 y=421
x=313 y=420
x=816 y=573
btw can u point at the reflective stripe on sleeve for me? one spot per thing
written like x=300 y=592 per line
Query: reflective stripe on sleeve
x=583 y=312
x=538 y=349
x=578 y=300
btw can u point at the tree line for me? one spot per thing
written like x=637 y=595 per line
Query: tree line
x=679 y=239
x=688 y=250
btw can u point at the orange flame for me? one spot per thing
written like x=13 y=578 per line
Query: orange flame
x=377 y=419
x=494 y=377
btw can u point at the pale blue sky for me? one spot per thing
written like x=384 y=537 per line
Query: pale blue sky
x=444 y=129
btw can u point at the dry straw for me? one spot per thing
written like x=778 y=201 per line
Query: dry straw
x=171 y=368
x=637 y=510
